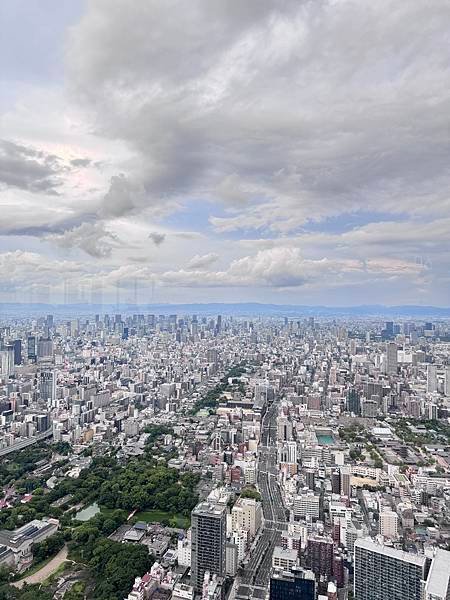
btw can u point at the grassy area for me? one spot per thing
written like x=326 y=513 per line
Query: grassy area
x=156 y=516
x=108 y=511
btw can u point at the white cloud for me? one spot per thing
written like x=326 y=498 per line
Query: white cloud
x=203 y=261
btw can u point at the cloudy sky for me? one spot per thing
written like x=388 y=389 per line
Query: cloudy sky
x=219 y=150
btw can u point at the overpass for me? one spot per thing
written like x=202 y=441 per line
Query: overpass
x=24 y=443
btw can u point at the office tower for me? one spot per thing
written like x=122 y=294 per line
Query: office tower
x=310 y=478
x=382 y=572
x=389 y=328
x=45 y=348
x=437 y=585
x=17 y=348
x=320 y=556
x=431 y=378
x=7 y=361
x=297 y=584
x=353 y=402
x=391 y=358
x=31 y=348
x=47 y=386
x=388 y=524
x=208 y=542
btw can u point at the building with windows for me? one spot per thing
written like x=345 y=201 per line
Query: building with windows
x=383 y=572
x=292 y=585
x=208 y=542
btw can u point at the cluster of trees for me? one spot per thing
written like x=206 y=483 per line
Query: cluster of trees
x=250 y=492
x=155 y=432
x=115 y=567
x=47 y=548
x=17 y=464
x=143 y=485
x=352 y=433
x=85 y=535
x=433 y=430
x=63 y=448
x=211 y=398
x=140 y=484
x=28 y=592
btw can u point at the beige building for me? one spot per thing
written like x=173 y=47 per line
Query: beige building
x=246 y=515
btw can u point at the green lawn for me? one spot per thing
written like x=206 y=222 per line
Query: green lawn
x=109 y=511
x=154 y=516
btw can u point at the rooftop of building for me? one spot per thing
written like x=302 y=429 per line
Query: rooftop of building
x=416 y=559
x=438 y=578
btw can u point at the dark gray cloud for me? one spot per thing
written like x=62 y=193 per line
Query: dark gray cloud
x=29 y=169
x=80 y=162
x=157 y=238
x=284 y=112
x=92 y=238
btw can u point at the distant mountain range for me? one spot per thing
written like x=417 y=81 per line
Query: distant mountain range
x=11 y=310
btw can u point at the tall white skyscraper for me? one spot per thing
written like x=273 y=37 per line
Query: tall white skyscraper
x=7 y=362
x=447 y=381
x=431 y=378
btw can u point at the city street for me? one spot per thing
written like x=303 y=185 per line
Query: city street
x=257 y=570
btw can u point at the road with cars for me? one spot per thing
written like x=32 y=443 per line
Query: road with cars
x=256 y=573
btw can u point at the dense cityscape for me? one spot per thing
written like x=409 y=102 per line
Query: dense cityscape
x=167 y=456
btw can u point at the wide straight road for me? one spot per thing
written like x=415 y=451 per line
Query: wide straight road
x=258 y=568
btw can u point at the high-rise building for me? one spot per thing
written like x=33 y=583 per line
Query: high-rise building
x=7 y=361
x=320 y=556
x=336 y=481
x=310 y=478
x=47 y=386
x=447 y=381
x=31 y=348
x=307 y=504
x=296 y=584
x=353 y=402
x=346 y=477
x=391 y=358
x=208 y=542
x=284 y=429
x=45 y=348
x=388 y=524
x=383 y=572
x=17 y=348
x=431 y=378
